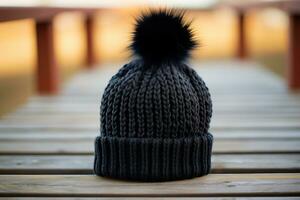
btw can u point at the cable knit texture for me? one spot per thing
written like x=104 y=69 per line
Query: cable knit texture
x=155 y=116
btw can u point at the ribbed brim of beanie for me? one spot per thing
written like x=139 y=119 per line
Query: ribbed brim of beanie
x=153 y=159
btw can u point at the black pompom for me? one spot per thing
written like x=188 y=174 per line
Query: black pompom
x=162 y=36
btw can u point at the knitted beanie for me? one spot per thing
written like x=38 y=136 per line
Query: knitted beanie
x=155 y=112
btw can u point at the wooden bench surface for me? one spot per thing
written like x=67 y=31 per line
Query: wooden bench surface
x=47 y=146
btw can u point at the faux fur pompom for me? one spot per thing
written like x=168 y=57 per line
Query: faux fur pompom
x=162 y=36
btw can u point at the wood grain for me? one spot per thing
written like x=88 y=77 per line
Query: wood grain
x=81 y=146
x=83 y=164
x=214 y=185
x=30 y=134
x=150 y=198
x=86 y=123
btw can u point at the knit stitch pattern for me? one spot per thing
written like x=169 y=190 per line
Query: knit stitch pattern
x=154 y=124
x=155 y=112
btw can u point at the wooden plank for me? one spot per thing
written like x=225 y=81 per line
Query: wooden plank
x=214 y=91
x=256 y=146
x=294 y=52
x=47 y=70
x=218 y=104
x=255 y=163
x=94 y=119
x=289 y=112
x=213 y=185
x=286 y=5
x=84 y=114
x=54 y=117
x=83 y=164
x=278 y=114
x=294 y=97
x=255 y=98
x=78 y=129
x=48 y=118
x=93 y=124
x=29 y=134
x=71 y=164
x=222 y=99
x=93 y=107
x=150 y=198
x=215 y=88
x=39 y=13
x=81 y=146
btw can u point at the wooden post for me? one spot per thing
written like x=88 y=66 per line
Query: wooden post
x=294 y=52
x=90 y=54
x=47 y=70
x=241 y=48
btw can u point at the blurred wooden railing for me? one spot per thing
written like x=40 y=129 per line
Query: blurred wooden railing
x=292 y=8
x=47 y=70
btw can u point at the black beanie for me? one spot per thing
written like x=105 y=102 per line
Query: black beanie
x=155 y=112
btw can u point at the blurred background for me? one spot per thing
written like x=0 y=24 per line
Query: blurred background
x=266 y=37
